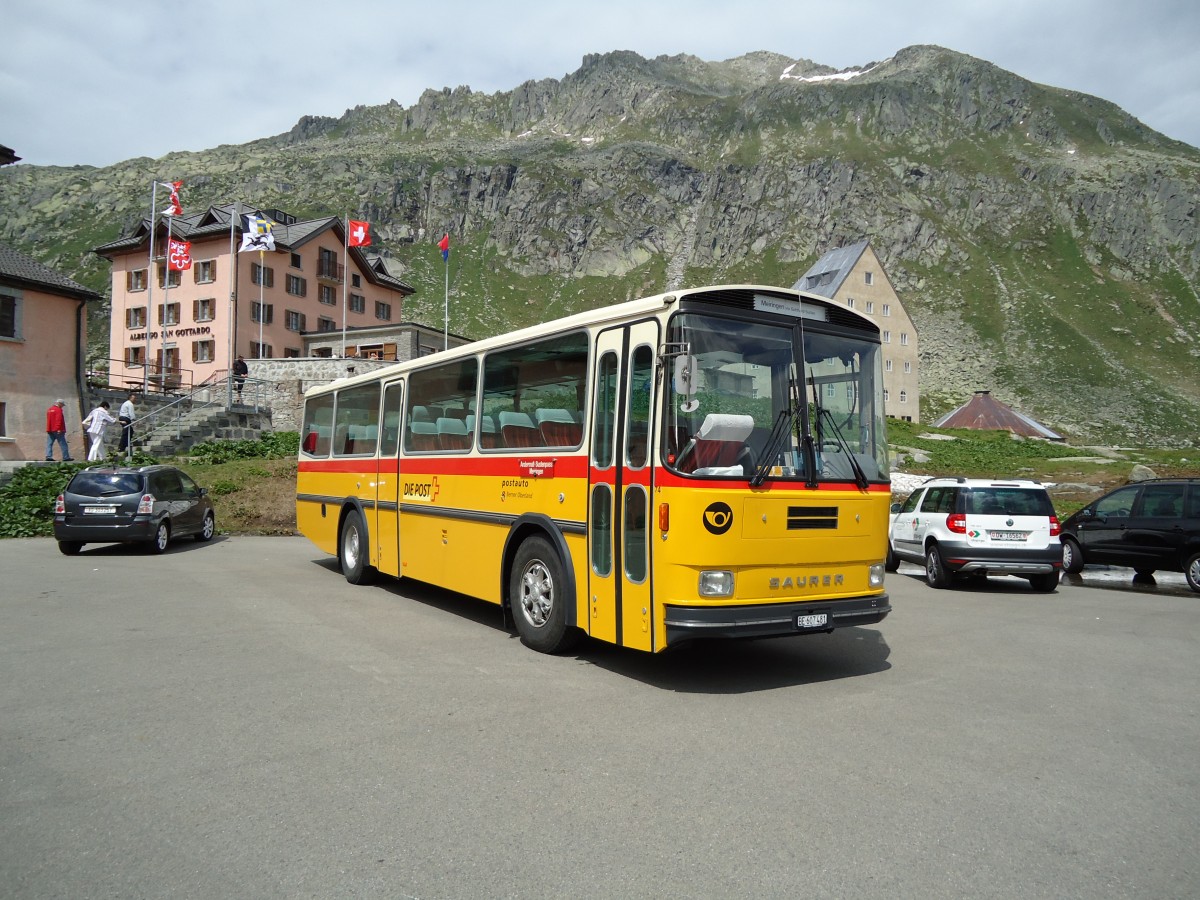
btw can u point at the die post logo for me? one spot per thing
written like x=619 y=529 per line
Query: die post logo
x=718 y=517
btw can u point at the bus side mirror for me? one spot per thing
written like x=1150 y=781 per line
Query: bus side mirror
x=685 y=381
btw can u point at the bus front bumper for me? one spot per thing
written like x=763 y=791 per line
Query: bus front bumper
x=686 y=623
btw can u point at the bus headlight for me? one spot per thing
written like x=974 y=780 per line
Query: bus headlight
x=714 y=583
x=875 y=576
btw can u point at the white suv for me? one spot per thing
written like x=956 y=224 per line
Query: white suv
x=980 y=527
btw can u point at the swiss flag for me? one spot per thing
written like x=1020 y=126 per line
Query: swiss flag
x=360 y=233
x=176 y=208
x=179 y=255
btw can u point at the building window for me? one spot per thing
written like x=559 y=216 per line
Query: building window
x=294 y=321
x=886 y=395
x=263 y=275
x=291 y=352
x=3 y=419
x=383 y=311
x=262 y=312
x=887 y=337
x=358 y=303
x=907 y=367
x=355 y=280
x=9 y=324
x=135 y=280
x=296 y=261
x=171 y=314
x=904 y=339
x=202 y=351
x=887 y=309
x=870 y=277
x=850 y=302
x=871 y=307
x=327 y=266
x=205 y=271
x=204 y=310
x=887 y=365
x=904 y=396
x=260 y=351
x=324 y=323
x=297 y=286
x=135 y=317
x=174 y=276
x=326 y=295
x=135 y=356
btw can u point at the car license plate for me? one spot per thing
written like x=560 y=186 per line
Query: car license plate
x=99 y=510
x=812 y=620
x=1009 y=535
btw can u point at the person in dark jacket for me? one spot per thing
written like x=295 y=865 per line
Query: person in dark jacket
x=240 y=370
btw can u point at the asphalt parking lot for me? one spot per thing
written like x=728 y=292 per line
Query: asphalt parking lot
x=233 y=720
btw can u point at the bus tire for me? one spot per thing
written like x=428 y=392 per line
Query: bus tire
x=536 y=597
x=352 y=549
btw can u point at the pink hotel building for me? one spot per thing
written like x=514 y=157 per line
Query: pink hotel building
x=212 y=313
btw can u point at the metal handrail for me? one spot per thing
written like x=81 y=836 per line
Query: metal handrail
x=176 y=409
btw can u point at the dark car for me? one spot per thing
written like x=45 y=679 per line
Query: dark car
x=149 y=504
x=1149 y=526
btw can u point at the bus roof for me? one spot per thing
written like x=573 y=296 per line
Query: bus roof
x=617 y=312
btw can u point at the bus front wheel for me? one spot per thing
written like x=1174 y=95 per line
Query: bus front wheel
x=352 y=550
x=536 y=596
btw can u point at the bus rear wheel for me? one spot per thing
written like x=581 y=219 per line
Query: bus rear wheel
x=536 y=597
x=352 y=550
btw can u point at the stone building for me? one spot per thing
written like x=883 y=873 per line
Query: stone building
x=854 y=276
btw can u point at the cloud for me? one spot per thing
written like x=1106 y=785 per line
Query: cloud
x=94 y=83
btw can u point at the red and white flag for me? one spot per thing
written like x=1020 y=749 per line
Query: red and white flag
x=176 y=208
x=360 y=233
x=179 y=255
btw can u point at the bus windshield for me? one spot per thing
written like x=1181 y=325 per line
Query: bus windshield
x=742 y=399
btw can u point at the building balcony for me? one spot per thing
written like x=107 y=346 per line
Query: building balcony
x=332 y=272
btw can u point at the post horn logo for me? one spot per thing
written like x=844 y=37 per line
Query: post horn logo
x=718 y=517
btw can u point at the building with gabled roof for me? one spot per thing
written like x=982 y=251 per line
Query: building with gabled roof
x=192 y=327
x=854 y=276
x=43 y=335
x=983 y=412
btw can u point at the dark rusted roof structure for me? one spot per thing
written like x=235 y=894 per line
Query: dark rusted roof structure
x=984 y=412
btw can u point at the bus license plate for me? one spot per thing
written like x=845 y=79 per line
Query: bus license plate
x=812 y=620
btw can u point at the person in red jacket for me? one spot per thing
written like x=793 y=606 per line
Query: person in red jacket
x=56 y=431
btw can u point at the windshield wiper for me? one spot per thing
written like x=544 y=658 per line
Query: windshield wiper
x=860 y=477
x=783 y=427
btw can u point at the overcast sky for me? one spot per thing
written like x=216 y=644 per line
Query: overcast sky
x=99 y=81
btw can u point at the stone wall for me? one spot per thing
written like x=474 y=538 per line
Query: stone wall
x=281 y=383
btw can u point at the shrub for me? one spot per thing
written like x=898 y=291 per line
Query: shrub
x=27 y=502
x=272 y=445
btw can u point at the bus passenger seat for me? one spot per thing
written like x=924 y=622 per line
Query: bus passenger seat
x=452 y=434
x=518 y=430
x=422 y=436
x=558 y=427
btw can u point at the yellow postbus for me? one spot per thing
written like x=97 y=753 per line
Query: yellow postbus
x=705 y=463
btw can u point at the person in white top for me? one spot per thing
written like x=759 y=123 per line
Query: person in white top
x=96 y=422
x=125 y=416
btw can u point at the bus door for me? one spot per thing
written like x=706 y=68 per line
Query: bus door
x=620 y=484
x=385 y=530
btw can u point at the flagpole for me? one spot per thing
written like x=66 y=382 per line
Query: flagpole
x=232 y=340
x=162 y=328
x=262 y=312
x=150 y=287
x=446 y=305
x=345 y=278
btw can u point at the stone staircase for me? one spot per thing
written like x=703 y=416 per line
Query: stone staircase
x=199 y=424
